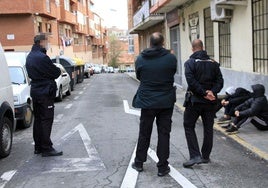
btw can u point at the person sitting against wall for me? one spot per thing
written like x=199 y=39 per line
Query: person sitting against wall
x=233 y=98
x=254 y=110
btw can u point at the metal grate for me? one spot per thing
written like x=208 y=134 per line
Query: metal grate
x=225 y=44
x=260 y=35
x=209 y=33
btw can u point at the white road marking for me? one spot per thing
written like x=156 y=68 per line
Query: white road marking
x=130 y=179
x=130 y=111
x=6 y=177
x=131 y=175
x=77 y=97
x=68 y=106
x=58 y=118
x=177 y=176
x=84 y=88
x=91 y=163
x=81 y=92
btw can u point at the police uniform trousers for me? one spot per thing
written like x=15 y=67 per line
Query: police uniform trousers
x=43 y=119
x=163 y=122
x=191 y=114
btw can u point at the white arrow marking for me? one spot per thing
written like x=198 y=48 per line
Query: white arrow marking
x=77 y=97
x=68 y=106
x=130 y=111
x=91 y=163
x=130 y=178
x=81 y=92
x=131 y=175
x=6 y=177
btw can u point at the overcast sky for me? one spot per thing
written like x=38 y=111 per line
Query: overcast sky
x=114 y=12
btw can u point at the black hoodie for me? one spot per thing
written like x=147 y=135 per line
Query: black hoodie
x=255 y=106
x=202 y=74
x=155 y=68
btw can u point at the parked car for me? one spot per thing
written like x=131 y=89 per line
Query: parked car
x=21 y=92
x=7 y=117
x=110 y=70
x=88 y=70
x=97 y=69
x=63 y=83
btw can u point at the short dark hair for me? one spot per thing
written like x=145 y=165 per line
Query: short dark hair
x=156 y=39
x=39 y=37
x=197 y=44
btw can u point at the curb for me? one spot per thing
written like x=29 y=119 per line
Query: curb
x=259 y=153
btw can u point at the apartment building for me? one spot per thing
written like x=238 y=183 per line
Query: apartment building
x=235 y=33
x=71 y=26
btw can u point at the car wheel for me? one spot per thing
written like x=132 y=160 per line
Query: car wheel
x=87 y=75
x=60 y=96
x=5 y=137
x=68 y=93
x=28 y=117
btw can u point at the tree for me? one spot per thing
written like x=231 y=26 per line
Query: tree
x=115 y=49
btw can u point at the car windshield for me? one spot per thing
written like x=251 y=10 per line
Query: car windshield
x=17 y=76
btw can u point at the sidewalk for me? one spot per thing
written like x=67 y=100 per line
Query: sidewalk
x=249 y=137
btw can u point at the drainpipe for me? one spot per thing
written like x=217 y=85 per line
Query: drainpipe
x=167 y=33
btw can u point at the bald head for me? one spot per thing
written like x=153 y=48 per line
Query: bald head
x=156 y=39
x=197 y=45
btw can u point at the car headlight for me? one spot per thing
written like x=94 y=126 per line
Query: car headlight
x=16 y=99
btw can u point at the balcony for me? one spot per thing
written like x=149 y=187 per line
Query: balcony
x=79 y=28
x=143 y=19
x=164 y=6
x=67 y=16
x=46 y=9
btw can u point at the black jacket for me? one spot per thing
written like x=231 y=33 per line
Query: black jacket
x=155 y=68
x=42 y=72
x=240 y=96
x=255 y=106
x=202 y=74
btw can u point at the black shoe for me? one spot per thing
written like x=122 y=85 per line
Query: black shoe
x=163 y=172
x=52 y=153
x=232 y=129
x=226 y=126
x=37 y=151
x=205 y=161
x=193 y=161
x=139 y=168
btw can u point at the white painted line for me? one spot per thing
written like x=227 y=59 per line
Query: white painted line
x=77 y=97
x=81 y=92
x=6 y=177
x=130 y=111
x=58 y=118
x=131 y=175
x=177 y=176
x=68 y=106
x=84 y=88
x=91 y=163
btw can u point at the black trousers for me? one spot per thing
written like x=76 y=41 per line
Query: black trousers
x=191 y=114
x=258 y=122
x=44 y=116
x=163 y=122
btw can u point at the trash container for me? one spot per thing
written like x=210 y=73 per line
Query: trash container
x=80 y=66
x=69 y=66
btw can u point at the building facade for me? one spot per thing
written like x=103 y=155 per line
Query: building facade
x=72 y=28
x=235 y=33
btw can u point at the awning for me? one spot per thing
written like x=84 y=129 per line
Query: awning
x=147 y=23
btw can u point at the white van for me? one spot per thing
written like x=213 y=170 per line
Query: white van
x=21 y=91
x=7 y=120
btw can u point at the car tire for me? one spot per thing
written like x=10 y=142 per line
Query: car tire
x=87 y=75
x=60 y=96
x=6 y=133
x=28 y=117
x=68 y=93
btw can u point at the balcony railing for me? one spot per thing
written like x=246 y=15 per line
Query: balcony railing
x=142 y=14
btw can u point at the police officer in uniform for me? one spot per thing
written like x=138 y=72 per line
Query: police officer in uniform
x=204 y=80
x=43 y=73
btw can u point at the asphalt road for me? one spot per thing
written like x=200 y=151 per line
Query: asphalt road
x=98 y=138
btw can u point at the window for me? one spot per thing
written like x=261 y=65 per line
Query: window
x=48 y=28
x=39 y=27
x=260 y=35
x=67 y=5
x=209 y=33
x=48 y=5
x=225 y=44
x=130 y=45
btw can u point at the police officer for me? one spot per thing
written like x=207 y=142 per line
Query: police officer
x=155 y=68
x=204 y=80
x=43 y=73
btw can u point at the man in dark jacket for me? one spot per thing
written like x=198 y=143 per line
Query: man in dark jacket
x=156 y=95
x=254 y=110
x=204 y=80
x=43 y=73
